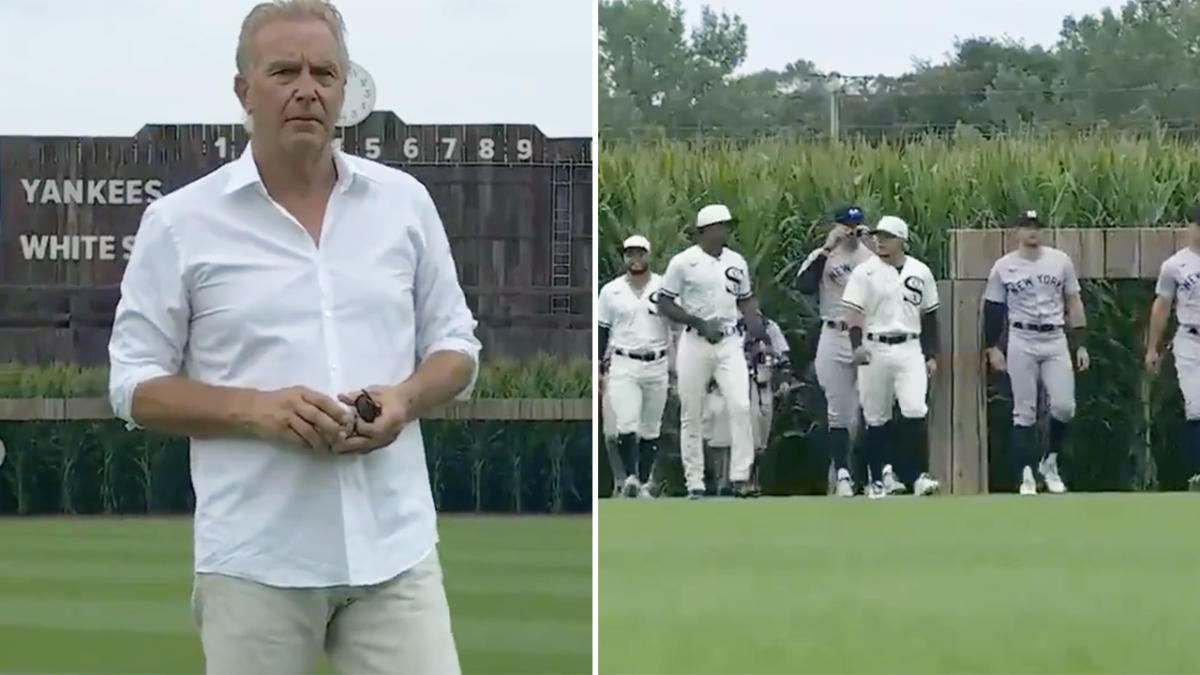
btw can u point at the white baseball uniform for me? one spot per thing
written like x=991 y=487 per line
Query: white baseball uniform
x=892 y=302
x=836 y=373
x=1032 y=291
x=638 y=375
x=1179 y=280
x=709 y=288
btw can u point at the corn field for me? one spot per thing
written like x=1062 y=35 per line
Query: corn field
x=782 y=191
x=97 y=466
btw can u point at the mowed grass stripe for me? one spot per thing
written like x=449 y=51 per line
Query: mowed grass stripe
x=1098 y=583
x=520 y=595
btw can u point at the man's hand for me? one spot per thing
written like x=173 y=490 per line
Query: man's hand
x=931 y=367
x=396 y=411
x=300 y=416
x=1152 y=358
x=1081 y=359
x=862 y=356
x=995 y=358
x=836 y=236
x=711 y=331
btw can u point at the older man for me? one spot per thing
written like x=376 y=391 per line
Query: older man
x=295 y=313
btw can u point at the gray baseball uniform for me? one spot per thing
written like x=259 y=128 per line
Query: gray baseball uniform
x=836 y=373
x=1033 y=291
x=1179 y=280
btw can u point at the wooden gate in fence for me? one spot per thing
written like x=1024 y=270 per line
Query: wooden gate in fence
x=958 y=431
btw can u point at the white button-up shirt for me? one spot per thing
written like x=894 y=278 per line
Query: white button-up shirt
x=227 y=288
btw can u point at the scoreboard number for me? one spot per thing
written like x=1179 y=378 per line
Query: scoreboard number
x=372 y=148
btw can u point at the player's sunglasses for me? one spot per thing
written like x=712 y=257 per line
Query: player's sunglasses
x=366 y=407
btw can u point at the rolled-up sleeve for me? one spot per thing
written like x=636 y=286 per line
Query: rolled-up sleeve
x=150 y=326
x=443 y=320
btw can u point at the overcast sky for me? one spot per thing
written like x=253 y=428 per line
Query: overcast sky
x=172 y=61
x=882 y=37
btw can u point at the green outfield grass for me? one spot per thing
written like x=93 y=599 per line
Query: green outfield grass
x=1069 y=584
x=112 y=596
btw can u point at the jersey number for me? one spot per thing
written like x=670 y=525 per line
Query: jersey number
x=734 y=275
x=916 y=291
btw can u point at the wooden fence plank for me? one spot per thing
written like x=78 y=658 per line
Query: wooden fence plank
x=974 y=252
x=1181 y=239
x=1092 y=255
x=941 y=409
x=30 y=409
x=1155 y=244
x=1121 y=253
x=969 y=453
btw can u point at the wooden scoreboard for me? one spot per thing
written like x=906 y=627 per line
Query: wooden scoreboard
x=517 y=207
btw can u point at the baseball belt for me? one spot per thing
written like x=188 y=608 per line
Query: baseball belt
x=890 y=339
x=726 y=331
x=1036 y=327
x=641 y=356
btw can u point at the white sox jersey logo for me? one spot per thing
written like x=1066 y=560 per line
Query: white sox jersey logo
x=915 y=287
x=735 y=277
x=653 y=308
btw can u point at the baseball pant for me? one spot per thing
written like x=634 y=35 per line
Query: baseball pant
x=1044 y=356
x=895 y=374
x=1187 y=370
x=638 y=391
x=762 y=412
x=838 y=377
x=697 y=361
x=399 y=626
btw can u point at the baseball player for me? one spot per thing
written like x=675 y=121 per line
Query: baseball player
x=893 y=301
x=824 y=273
x=1034 y=284
x=636 y=372
x=1179 y=282
x=768 y=364
x=707 y=288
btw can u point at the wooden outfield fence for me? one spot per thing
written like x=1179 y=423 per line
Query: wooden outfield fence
x=958 y=418
x=514 y=409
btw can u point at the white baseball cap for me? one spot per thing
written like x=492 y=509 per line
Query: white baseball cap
x=712 y=214
x=893 y=226
x=636 y=241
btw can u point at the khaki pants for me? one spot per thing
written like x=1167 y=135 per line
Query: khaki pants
x=399 y=626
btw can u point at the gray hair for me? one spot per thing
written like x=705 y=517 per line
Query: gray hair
x=291 y=10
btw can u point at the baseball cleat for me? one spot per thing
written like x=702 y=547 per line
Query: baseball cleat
x=647 y=491
x=1194 y=483
x=695 y=494
x=925 y=485
x=876 y=491
x=1049 y=470
x=891 y=483
x=743 y=489
x=1028 y=484
x=631 y=486
x=845 y=488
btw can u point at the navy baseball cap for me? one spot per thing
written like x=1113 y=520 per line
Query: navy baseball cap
x=848 y=215
x=1028 y=218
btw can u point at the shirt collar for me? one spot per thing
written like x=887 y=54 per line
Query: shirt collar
x=243 y=171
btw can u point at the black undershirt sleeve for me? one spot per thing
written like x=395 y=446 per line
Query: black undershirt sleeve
x=603 y=346
x=993 y=322
x=929 y=335
x=809 y=281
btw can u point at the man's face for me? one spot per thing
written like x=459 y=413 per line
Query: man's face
x=1029 y=235
x=716 y=234
x=294 y=89
x=887 y=244
x=637 y=260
